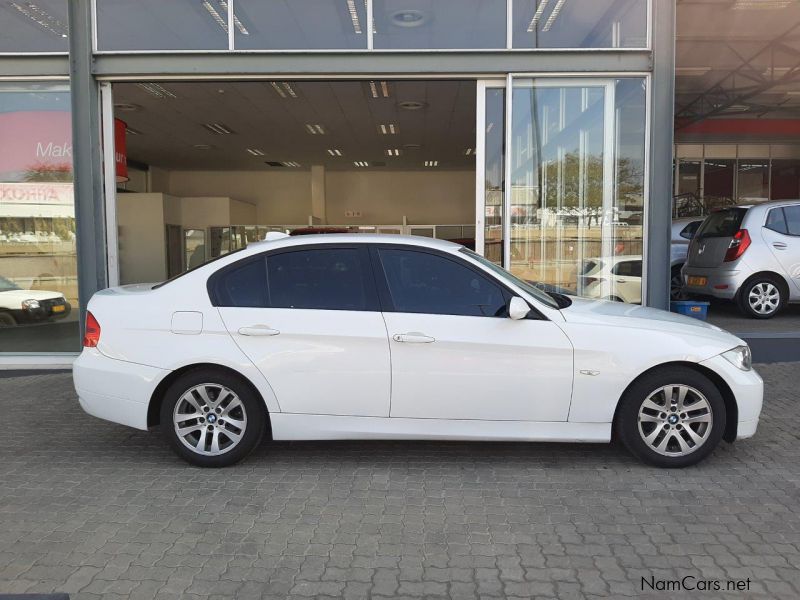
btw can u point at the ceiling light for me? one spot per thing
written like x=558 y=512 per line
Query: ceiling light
x=387 y=129
x=42 y=18
x=361 y=163
x=537 y=15
x=315 y=129
x=393 y=152
x=379 y=89
x=155 y=90
x=408 y=18
x=351 y=8
x=202 y=146
x=468 y=152
x=256 y=151
x=283 y=89
x=218 y=128
x=334 y=152
x=222 y=21
x=431 y=163
x=761 y=4
x=291 y=163
x=553 y=15
x=411 y=105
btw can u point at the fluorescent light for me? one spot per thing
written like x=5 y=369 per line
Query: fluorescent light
x=334 y=152
x=132 y=131
x=431 y=163
x=283 y=89
x=155 y=90
x=351 y=8
x=361 y=163
x=761 y=4
x=220 y=20
x=315 y=129
x=553 y=15
x=42 y=18
x=379 y=89
x=387 y=129
x=256 y=151
x=537 y=15
x=218 y=128
x=290 y=163
x=393 y=152
x=468 y=152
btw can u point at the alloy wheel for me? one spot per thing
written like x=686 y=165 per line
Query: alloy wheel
x=209 y=419
x=675 y=420
x=764 y=298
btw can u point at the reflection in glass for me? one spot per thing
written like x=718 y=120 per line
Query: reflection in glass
x=689 y=177
x=159 y=25
x=580 y=24
x=718 y=182
x=194 y=247
x=38 y=267
x=39 y=27
x=752 y=180
x=785 y=182
x=494 y=171
x=311 y=24
x=439 y=24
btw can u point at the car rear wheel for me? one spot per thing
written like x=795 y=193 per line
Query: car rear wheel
x=762 y=297
x=212 y=418
x=671 y=417
x=676 y=284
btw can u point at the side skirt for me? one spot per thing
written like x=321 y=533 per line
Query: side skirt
x=331 y=427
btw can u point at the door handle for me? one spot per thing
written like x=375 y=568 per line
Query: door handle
x=779 y=245
x=413 y=337
x=620 y=281
x=256 y=330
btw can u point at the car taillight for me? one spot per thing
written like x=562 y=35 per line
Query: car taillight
x=91 y=337
x=739 y=243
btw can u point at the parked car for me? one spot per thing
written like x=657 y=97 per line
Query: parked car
x=683 y=230
x=394 y=337
x=616 y=278
x=19 y=306
x=748 y=254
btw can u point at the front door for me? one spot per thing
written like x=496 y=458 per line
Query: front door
x=457 y=355
x=309 y=320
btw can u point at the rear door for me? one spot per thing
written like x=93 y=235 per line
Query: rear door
x=308 y=318
x=782 y=234
x=714 y=236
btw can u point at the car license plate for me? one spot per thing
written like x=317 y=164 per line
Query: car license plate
x=59 y=308
x=698 y=281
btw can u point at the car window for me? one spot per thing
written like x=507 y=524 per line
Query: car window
x=322 y=279
x=776 y=220
x=628 y=268
x=690 y=229
x=244 y=284
x=723 y=223
x=420 y=282
x=792 y=215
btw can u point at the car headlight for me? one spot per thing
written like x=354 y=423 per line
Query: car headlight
x=30 y=304
x=740 y=357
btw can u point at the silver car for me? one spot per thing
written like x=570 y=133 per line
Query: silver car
x=749 y=254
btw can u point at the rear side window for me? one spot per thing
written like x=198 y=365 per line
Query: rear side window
x=244 y=284
x=628 y=268
x=723 y=223
x=776 y=220
x=321 y=279
x=420 y=282
x=792 y=215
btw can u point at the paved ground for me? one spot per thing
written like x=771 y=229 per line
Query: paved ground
x=727 y=316
x=98 y=510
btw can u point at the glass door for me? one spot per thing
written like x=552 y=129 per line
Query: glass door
x=490 y=169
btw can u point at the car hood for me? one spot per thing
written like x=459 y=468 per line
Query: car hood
x=618 y=314
x=21 y=295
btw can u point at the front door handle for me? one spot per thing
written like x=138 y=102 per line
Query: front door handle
x=779 y=245
x=413 y=337
x=256 y=330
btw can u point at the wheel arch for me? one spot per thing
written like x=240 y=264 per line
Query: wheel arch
x=731 y=407
x=157 y=397
x=777 y=277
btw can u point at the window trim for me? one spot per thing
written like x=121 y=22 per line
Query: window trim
x=385 y=297
x=785 y=220
x=372 y=303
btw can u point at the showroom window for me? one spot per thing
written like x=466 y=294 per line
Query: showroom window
x=38 y=266
x=28 y=27
x=420 y=282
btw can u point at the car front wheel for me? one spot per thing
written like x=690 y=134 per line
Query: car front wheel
x=212 y=418
x=671 y=417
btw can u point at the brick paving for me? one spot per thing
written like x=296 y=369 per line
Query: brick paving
x=101 y=511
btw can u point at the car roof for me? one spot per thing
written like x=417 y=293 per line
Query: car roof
x=352 y=238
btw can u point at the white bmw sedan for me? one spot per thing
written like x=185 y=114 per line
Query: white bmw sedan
x=382 y=337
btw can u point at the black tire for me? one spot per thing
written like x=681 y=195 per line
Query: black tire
x=699 y=387
x=249 y=411
x=676 y=284
x=7 y=320
x=764 y=284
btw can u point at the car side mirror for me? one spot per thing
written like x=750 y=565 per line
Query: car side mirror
x=518 y=308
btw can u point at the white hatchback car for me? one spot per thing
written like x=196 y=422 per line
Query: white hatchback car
x=390 y=337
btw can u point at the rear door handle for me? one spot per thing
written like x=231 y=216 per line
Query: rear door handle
x=256 y=330
x=413 y=337
x=779 y=245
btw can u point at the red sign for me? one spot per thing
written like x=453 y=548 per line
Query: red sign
x=120 y=151
x=35 y=145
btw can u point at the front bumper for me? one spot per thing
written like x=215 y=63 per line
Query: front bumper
x=747 y=388
x=720 y=283
x=114 y=390
x=40 y=315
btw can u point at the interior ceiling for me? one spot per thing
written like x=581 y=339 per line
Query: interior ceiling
x=166 y=124
x=737 y=59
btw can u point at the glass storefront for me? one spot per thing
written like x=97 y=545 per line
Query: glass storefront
x=38 y=265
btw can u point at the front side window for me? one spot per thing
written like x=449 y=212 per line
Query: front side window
x=420 y=282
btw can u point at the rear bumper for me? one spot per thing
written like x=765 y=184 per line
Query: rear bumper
x=747 y=388
x=114 y=390
x=720 y=283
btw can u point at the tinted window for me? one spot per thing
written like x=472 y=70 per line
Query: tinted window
x=689 y=231
x=776 y=220
x=425 y=283
x=792 y=215
x=243 y=285
x=322 y=279
x=628 y=268
x=723 y=223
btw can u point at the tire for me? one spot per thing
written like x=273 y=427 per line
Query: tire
x=762 y=297
x=198 y=392
x=7 y=320
x=667 y=438
x=676 y=284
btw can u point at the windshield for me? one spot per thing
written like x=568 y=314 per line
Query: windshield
x=529 y=288
x=7 y=285
x=723 y=223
